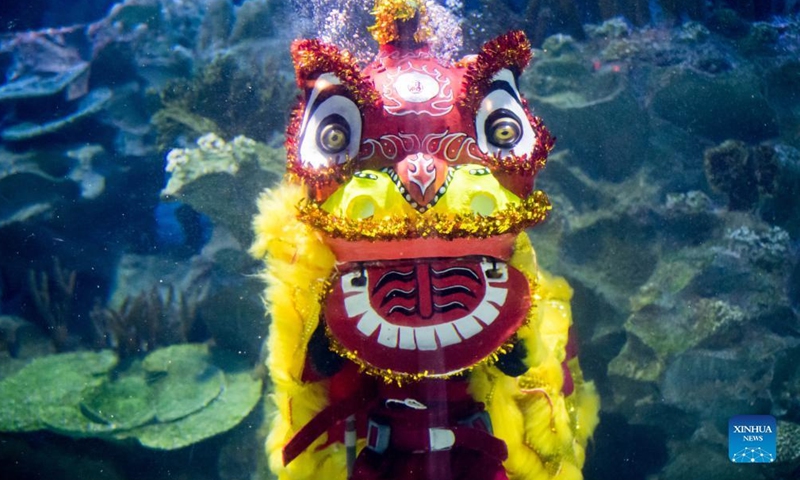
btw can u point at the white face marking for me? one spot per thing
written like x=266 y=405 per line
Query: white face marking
x=502 y=99
x=424 y=338
x=416 y=87
x=323 y=82
x=430 y=90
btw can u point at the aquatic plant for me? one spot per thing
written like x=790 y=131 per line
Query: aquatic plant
x=54 y=297
x=172 y=398
x=145 y=322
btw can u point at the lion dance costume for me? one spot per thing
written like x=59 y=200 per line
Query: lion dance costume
x=412 y=334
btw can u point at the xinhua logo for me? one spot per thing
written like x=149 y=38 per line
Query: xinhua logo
x=752 y=439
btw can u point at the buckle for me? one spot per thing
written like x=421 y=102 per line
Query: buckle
x=441 y=439
x=378 y=436
x=479 y=421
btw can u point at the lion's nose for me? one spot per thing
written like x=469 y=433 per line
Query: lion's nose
x=422 y=179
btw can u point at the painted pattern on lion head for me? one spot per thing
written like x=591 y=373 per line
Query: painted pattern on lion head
x=420 y=174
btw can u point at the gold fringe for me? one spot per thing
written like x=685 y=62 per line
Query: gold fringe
x=513 y=219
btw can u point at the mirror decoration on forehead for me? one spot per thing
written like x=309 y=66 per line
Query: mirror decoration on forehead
x=413 y=335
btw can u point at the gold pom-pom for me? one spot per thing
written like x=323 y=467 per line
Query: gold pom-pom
x=397 y=19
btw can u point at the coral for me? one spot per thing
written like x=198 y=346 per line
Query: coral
x=708 y=461
x=766 y=247
x=35 y=86
x=91 y=182
x=54 y=299
x=157 y=301
x=47 y=384
x=690 y=217
x=174 y=397
x=719 y=383
x=233 y=94
x=591 y=107
x=748 y=176
x=34 y=182
x=778 y=199
x=144 y=322
x=788 y=444
x=256 y=19
x=220 y=179
x=44 y=63
x=86 y=107
x=28 y=189
x=615 y=27
x=729 y=170
x=216 y=25
x=21 y=339
x=727 y=22
x=728 y=104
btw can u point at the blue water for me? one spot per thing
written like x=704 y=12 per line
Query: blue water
x=674 y=181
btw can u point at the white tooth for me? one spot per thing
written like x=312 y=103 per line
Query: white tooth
x=369 y=323
x=467 y=327
x=496 y=294
x=426 y=338
x=407 y=338
x=357 y=304
x=486 y=313
x=388 y=335
x=447 y=334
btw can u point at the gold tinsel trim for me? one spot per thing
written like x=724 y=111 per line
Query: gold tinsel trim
x=511 y=50
x=403 y=378
x=320 y=176
x=529 y=212
x=313 y=57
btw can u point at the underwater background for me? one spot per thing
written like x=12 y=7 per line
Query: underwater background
x=135 y=137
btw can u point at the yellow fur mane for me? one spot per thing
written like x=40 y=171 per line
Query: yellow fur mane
x=546 y=433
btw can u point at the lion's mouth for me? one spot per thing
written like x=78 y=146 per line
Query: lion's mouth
x=438 y=315
x=446 y=225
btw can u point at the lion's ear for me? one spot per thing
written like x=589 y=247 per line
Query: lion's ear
x=511 y=52
x=316 y=61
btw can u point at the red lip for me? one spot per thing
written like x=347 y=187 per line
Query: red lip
x=499 y=247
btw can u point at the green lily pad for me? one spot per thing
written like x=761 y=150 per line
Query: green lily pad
x=124 y=403
x=183 y=379
x=240 y=394
x=43 y=388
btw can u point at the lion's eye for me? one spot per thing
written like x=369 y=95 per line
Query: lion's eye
x=332 y=132
x=503 y=129
x=502 y=125
x=334 y=135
